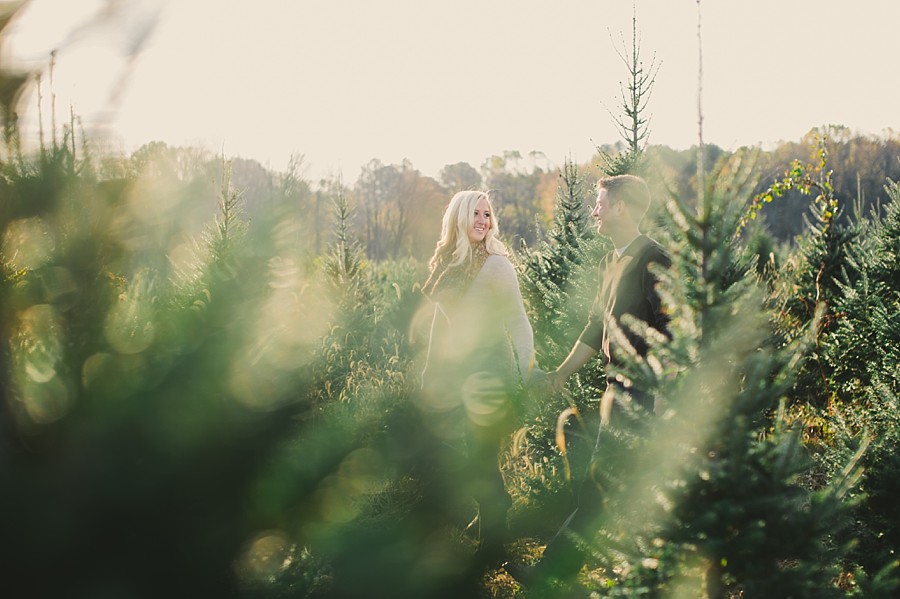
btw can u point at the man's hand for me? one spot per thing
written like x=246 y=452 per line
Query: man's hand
x=578 y=357
x=555 y=380
x=546 y=382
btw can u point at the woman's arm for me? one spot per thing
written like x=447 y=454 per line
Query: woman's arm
x=504 y=279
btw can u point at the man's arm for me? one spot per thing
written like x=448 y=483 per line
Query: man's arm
x=578 y=357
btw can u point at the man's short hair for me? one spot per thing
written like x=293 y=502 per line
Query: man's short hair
x=630 y=189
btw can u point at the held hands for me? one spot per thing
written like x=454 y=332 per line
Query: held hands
x=556 y=381
x=547 y=382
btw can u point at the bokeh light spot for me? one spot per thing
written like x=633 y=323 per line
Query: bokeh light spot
x=37 y=346
x=28 y=242
x=48 y=401
x=129 y=325
x=112 y=375
x=362 y=471
x=266 y=555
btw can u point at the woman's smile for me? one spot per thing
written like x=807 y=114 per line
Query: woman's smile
x=481 y=221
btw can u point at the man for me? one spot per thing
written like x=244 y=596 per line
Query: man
x=628 y=287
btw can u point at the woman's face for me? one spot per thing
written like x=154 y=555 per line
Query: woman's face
x=481 y=221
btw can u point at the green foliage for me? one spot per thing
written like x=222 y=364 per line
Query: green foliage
x=858 y=165
x=862 y=363
x=814 y=176
x=551 y=273
x=123 y=416
x=808 y=287
x=225 y=235
x=887 y=244
x=727 y=378
x=344 y=266
x=871 y=422
x=558 y=282
x=367 y=342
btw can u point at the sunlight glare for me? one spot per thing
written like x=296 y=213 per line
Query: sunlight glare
x=130 y=328
x=37 y=350
x=265 y=555
x=28 y=243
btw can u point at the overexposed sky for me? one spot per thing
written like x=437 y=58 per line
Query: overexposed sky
x=443 y=81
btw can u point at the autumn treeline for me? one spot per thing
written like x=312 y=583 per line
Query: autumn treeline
x=397 y=209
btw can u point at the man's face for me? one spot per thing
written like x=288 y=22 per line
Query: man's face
x=605 y=211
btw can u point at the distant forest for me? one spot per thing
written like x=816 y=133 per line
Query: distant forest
x=397 y=209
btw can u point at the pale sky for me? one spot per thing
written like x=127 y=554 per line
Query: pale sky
x=443 y=81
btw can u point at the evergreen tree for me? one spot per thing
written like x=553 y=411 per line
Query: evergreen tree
x=555 y=272
x=559 y=282
x=884 y=265
x=864 y=360
x=350 y=342
x=633 y=122
x=708 y=497
x=809 y=285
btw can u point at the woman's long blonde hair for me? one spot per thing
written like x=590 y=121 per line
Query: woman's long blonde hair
x=454 y=241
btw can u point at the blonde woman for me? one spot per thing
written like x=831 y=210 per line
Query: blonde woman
x=480 y=345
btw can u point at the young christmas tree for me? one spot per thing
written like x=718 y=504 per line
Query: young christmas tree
x=809 y=284
x=861 y=350
x=554 y=275
x=863 y=361
x=708 y=497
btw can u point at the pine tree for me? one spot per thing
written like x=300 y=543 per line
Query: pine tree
x=709 y=495
x=809 y=285
x=351 y=342
x=885 y=268
x=632 y=121
x=559 y=282
x=863 y=356
x=554 y=275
